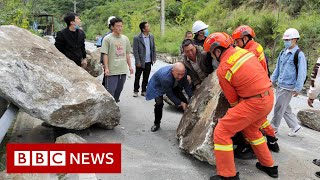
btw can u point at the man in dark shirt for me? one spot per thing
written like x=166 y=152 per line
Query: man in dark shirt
x=70 y=41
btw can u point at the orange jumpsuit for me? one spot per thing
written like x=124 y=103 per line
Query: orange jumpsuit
x=246 y=86
x=257 y=50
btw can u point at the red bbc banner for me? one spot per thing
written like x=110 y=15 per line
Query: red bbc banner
x=63 y=158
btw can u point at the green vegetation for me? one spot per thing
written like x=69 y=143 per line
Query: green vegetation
x=269 y=18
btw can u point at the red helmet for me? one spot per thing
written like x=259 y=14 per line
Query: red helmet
x=215 y=40
x=242 y=31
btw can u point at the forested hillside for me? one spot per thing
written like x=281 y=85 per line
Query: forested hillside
x=269 y=18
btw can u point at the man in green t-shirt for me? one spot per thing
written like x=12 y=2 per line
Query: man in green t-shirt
x=116 y=58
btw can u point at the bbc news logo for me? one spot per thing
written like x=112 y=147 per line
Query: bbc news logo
x=63 y=158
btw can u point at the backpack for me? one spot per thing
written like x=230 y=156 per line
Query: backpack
x=295 y=62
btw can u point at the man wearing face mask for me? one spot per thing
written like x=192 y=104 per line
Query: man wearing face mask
x=70 y=41
x=248 y=90
x=116 y=58
x=199 y=29
x=289 y=79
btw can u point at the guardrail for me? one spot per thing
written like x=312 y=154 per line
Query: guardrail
x=7 y=119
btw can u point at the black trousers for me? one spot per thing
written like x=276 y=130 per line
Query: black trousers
x=145 y=77
x=158 y=107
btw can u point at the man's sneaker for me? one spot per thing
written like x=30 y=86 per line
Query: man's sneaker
x=217 y=177
x=155 y=127
x=135 y=94
x=143 y=93
x=316 y=162
x=294 y=132
x=271 y=171
x=318 y=174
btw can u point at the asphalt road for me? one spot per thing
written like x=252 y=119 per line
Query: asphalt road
x=150 y=155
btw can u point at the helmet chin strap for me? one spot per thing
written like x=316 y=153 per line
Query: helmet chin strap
x=244 y=44
x=217 y=58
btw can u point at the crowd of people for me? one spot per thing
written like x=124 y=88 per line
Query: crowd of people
x=242 y=70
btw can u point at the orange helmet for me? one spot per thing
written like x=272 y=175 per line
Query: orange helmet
x=229 y=37
x=215 y=40
x=242 y=31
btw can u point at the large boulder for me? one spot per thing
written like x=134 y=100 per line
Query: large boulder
x=38 y=78
x=194 y=132
x=94 y=66
x=310 y=118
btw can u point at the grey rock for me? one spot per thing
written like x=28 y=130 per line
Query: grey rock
x=168 y=58
x=310 y=118
x=5 y=176
x=38 y=78
x=73 y=138
x=70 y=138
x=195 y=131
x=94 y=66
x=90 y=176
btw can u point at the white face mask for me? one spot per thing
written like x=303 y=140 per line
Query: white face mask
x=287 y=44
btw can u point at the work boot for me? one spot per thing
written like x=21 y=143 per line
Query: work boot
x=245 y=153
x=217 y=177
x=271 y=171
x=272 y=144
x=155 y=127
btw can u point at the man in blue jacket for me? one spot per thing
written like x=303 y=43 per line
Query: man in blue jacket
x=168 y=80
x=290 y=79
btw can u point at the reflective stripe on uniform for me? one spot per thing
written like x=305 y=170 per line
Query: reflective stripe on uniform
x=237 y=65
x=240 y=52
x=219 y=147
x=258 y=141
x=259 y=49
x=265 y=124
x=261 y=57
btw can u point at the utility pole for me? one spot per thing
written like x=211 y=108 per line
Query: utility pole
x=74 y=6
x=162 y=18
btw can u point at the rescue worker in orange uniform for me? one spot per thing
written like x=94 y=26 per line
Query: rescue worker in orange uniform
x=248 y=90
x=243 y=36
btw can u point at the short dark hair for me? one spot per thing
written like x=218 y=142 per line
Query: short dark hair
x=115 y=20
x=188 y=32
x=187 y=42
x=142 y=25
x=71 y=16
